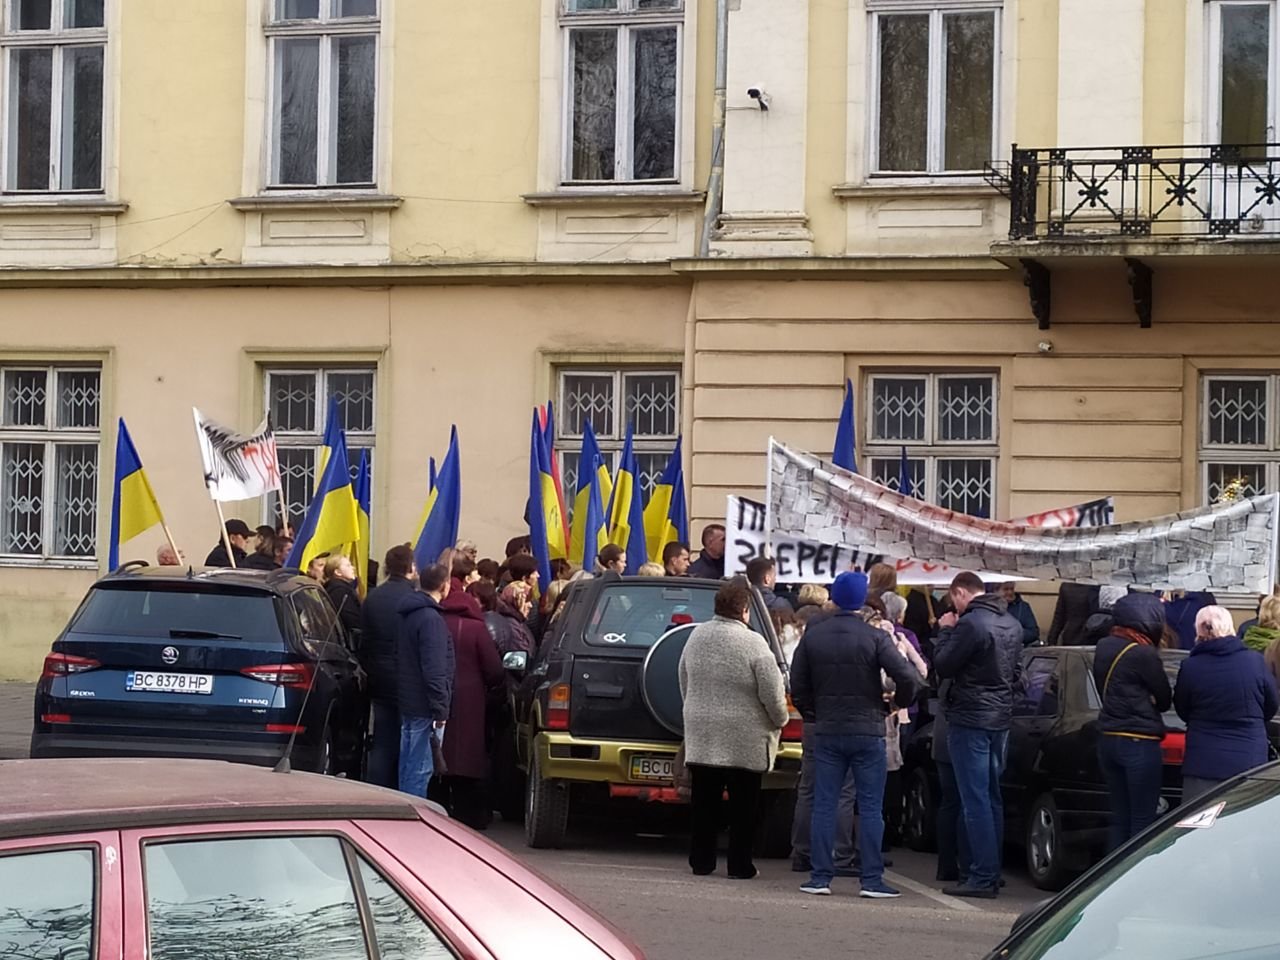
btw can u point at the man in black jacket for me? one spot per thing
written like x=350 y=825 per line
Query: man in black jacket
x=837 y=685
x=424 y=677
x=380 y=620
x=710 y=562
x=980 y=651
x=238 y=534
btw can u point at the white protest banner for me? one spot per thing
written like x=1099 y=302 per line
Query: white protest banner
x=237 y=467
x=1224 y=547
x=809 y=561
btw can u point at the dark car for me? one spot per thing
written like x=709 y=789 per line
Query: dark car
x=1055 y=797
x=1198 y=884
x=213 y=664
x=164 y=859
x=598 y=709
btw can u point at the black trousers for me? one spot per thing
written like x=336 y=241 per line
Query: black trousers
x=710 y=784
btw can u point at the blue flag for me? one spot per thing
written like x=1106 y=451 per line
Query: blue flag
x=331 y=523
x=846 y=450
x=443 y=512
x=595 y=532
x=626 y=512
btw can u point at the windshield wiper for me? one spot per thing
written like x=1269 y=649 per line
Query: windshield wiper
x=203 y=635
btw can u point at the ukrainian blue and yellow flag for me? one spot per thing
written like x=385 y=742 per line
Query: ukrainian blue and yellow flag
x=586 y=476
x=626 y=513
x=360 y=549
x=846 y=449
x=666 y=517
x=549 y=444
x=333 y=435
x=133 y=505
x=546 y=528
x=595 y=534
x=331 y=523
x=438 y=530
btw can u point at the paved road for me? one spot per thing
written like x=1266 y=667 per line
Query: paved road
x=642 y=884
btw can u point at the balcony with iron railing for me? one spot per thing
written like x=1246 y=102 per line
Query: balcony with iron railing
x=1175 y=192
x=1139 y=203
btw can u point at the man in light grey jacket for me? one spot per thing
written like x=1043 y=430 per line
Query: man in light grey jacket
x=735 y=706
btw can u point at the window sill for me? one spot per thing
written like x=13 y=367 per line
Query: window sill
x=587 y=196
x=908 y=189
x=62 y=204
x=317 y=201
x=56 y=563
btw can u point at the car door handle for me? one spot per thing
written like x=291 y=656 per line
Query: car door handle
x=605 y=691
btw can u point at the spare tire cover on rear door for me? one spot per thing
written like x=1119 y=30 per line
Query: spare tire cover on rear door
x=660 y=678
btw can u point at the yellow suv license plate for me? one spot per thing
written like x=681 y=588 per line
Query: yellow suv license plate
x=653 y=767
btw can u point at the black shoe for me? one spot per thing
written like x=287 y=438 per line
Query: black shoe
x=975 y=893
x=800 y=865
x=703 y=872
x=755 y=872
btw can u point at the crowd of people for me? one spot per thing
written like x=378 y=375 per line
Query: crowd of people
x=862 y=655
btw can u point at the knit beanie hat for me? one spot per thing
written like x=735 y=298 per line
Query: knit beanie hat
x=849 y=592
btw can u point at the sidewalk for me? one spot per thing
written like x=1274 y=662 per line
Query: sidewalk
x=15 y=719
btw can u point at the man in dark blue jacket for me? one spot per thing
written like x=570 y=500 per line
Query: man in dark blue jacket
x=425 y=678
x=980 y=651
x=836 y=684
x=380 y=622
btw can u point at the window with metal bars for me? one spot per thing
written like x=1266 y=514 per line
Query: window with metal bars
x=297 y=401
x=622 y=97
x=49 y=439
x=52 y=58
x=1239 y=433
x=947 y=422
x=324 y=92
x=610 y=399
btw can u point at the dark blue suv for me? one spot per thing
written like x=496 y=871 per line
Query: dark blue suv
x=217 y=664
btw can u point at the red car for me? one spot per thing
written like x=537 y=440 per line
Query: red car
x=167 y=859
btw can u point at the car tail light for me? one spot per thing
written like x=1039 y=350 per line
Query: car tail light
x=65 y=664
x=681 y=619
x=296 y=675
x=794 y=730
x=55 y=718
x=285 y=728
x=1174 y=748
x=558 y=707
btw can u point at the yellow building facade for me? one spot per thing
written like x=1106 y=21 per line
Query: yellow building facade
x=251 y=206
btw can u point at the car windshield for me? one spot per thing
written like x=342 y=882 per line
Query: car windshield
x=636 y=614
x=220 y=614
x=1203 y=886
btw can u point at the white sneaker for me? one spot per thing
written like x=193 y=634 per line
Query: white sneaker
x=816 y=890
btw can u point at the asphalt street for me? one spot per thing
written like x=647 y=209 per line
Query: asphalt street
x=641 y=883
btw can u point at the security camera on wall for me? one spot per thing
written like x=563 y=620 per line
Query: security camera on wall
x=760 y=97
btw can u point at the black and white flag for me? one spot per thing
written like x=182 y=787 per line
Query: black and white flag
x=237 y=467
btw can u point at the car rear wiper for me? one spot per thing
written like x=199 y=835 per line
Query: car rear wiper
x=203 y=635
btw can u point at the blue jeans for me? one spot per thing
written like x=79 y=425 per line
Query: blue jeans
x=953 y=841
x=835 y=756
x=1133 y=770
x=978 y=758
x=384 y=747
x=803 y=822
x=416 y=762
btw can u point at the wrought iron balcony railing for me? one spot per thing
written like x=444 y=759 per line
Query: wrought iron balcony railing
x=1088 y=193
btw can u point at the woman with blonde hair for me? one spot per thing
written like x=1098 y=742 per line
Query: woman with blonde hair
x=812 y=595
x=1226 y=695
x=651 y=569
x=340 y=585
x=1265 y=631
x=882 y=577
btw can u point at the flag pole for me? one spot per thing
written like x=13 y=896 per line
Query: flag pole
x=226 y=540
x=284 y=516
x=168 y=535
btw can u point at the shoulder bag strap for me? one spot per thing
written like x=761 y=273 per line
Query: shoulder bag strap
x=1107 y=682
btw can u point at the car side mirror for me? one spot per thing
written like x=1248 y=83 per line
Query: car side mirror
x=516 y=661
